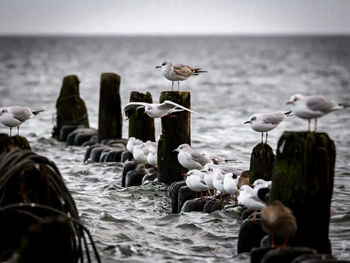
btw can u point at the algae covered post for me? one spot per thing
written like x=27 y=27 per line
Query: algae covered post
x=71 y=109
x=141 y=126
x=110 y=113
x=176 y=130
x=261 y=162
x=302 y=178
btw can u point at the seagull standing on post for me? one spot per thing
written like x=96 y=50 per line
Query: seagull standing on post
x=178 y=72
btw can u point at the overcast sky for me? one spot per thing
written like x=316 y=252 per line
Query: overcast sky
x=174 y=17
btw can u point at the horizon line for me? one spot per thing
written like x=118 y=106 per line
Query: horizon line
x=243 y=34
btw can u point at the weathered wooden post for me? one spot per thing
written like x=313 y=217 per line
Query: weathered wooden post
x=261 y=162
x=302 y=179
x=8 y=143
x=71 y=109
x=141 y=126
x=176 y=130
x=110 y=113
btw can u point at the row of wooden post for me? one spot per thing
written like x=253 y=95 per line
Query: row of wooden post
x=302 y=170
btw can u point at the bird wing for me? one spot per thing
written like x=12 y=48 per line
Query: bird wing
x=21 y=113
x=182 y=70
x=197 y=157
x=319 y=103
x=168 y=104
x=275 y=118
x=134 y=105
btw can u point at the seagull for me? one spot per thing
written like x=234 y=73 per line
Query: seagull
x=278 y=220
x=132 y=142
x=313 y=107
x=225 y=168
x=218 y=181
x=152 y=157
x=230 y=184
x=15 y=115
x=195 y=181
x=264 y=122
x=248 y=197
x=178 y=72
x=156 y=110
x=189 y=158
x=140 y=153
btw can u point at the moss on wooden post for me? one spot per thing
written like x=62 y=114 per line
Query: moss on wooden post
x=110 y=113
x=8 y=143
x=175 y=131
x=261 y=162
x=71 y=109
x=141 y=126
x=302 y=179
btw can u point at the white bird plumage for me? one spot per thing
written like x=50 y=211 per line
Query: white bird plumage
x=14 y=116
x=157 y=110
x=178 y=72
x=189 y=158
x=312 y=107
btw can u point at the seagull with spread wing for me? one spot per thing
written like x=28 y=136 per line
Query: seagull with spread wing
x=178 y=72
x=156 y=110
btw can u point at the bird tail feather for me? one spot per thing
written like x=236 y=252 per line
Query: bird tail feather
x=36 y=112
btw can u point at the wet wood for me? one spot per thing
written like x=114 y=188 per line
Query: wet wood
x=70 y=108
x=261 y=162
x=176 y=130
x=110 y=112
x=8 y=143
x=302 y=179
x=141 y=126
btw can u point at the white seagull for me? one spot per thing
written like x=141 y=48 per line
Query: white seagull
x=265 y=122
x=189 y=158
x=132 y=142
x=230 y=184
x=195 y=181
x=156 y=110
x=312 y=107
x=178 y=72
x=15 y=115
x=248 y=197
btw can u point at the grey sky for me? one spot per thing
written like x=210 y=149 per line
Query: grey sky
x=174 y=17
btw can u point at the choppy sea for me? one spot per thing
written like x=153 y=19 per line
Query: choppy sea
x=246 y=75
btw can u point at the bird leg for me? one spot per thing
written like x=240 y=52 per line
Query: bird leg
x=178 y=86
x=17 y=130
x=10 y=131
x=272 y=241
x=284 y=243
x=266 y=137
x=308 y=126
x=172 y=86
x=262 y=137
x=255 y=213
x=315 y=125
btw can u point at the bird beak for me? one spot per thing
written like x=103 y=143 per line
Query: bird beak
x=289 y=102
x=246 y=122
x=175 y=150
x=158 y=66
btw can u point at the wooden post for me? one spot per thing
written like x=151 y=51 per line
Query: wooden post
x=302 y=179
x=8 y=143
x=71 y=109
x=175 y=131
x=110 y=113
x=261 y=162
x=141 y=126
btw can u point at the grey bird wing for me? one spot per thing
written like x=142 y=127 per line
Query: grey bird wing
x=168 y=104
x=197 y=157
x=21 y=113
x=183 y=70
x=319 y=103
x=274 y=118
x=134 y=105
